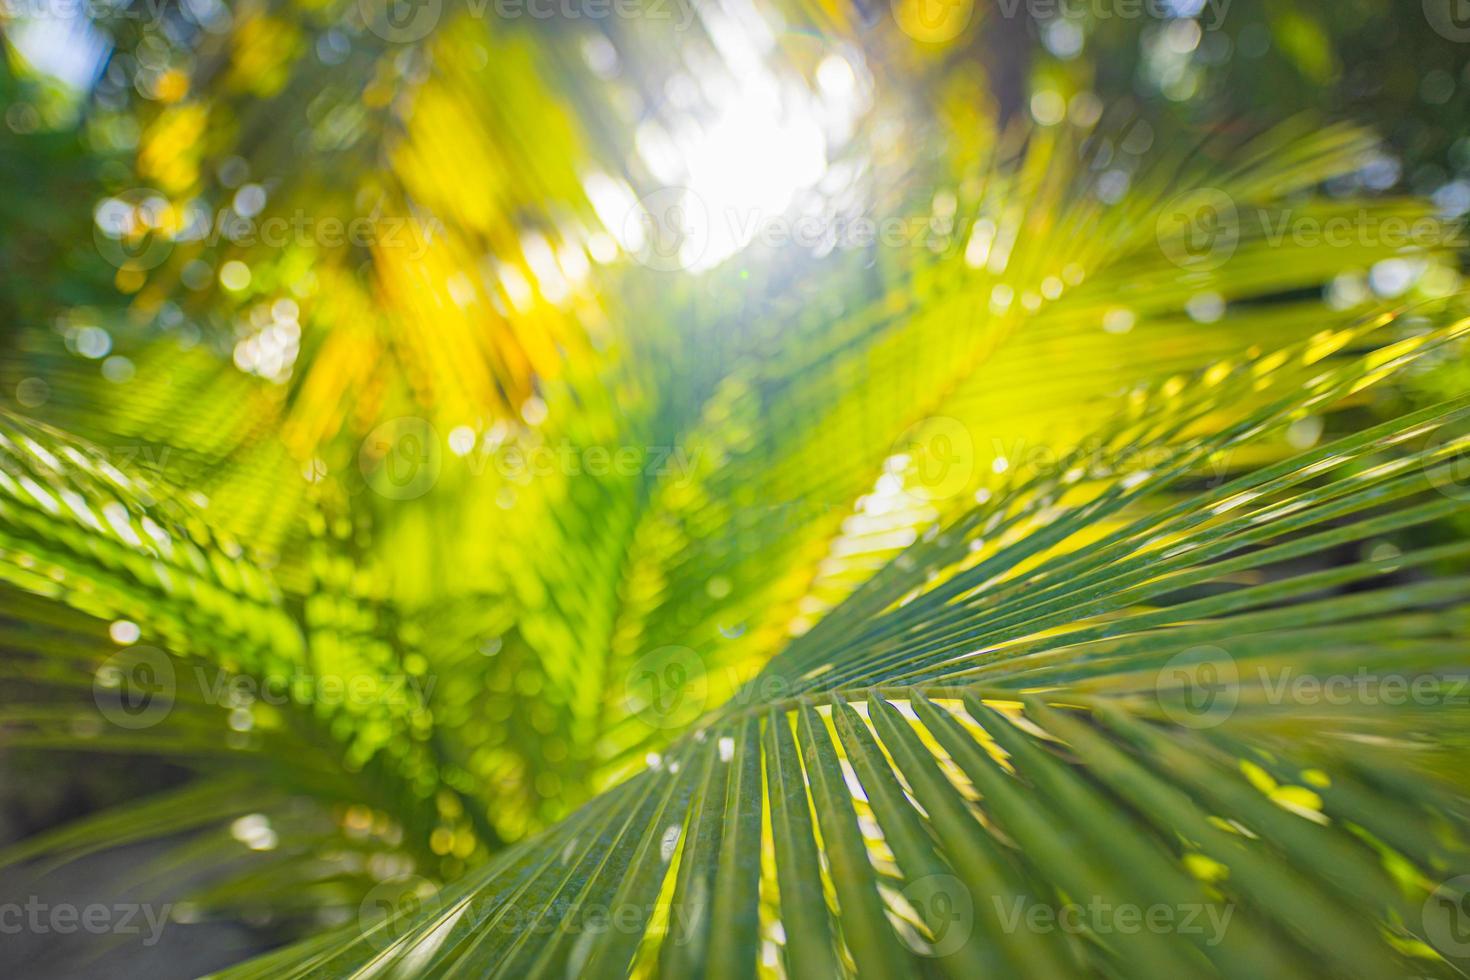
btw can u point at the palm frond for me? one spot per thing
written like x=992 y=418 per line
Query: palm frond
x=1004 y=728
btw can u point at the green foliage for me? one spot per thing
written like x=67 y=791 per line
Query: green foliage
x=930 y=607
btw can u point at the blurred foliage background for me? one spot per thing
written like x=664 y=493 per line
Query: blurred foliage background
x=351 y=310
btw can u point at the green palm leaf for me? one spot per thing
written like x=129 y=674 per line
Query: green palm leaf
x=1006 y=756
x=789 y=703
